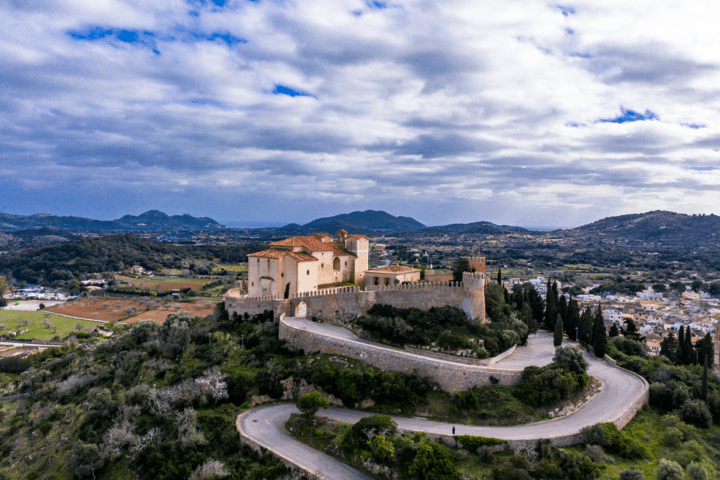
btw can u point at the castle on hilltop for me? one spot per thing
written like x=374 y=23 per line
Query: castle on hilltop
x=298 y=265
x=321 y=277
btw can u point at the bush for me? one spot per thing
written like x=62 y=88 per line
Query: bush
x=669 y=470
x=570 y=358
x=613 y=440
x=311 y=402
x=631 y=347
x=631 y=474
x=696 y=412
x=174 y=334
x=695 y=471
x=472 y=443
x=548 y=384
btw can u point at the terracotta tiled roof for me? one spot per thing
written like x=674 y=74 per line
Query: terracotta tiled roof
x=395 y=269
x=358 y=237
x=300 y=257
x=311 y=243
x=322 y=235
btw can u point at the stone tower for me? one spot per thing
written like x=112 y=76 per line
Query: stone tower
x=478 y=263
x=473 y=303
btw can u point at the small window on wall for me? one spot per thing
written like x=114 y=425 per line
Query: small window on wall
x=308 y=272
x=387 y=281
x=282 y=274
x=252 y=284
x=346 y=264
x=376 y=280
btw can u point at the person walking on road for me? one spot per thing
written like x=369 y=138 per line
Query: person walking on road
x=453 y=430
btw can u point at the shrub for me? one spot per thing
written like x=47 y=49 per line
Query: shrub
x=174 y=334
x=631 y=474
x=696 y=412
x=472 y=443
x=366 y=428
x=672 y=436
x=382 y=448
x=695 y=471
x=631 y=347
x=311 y=402
x=209 y=470
x=669 y=470
x=607 y=435
x=549 y=384
x=578 y=466
x=570 y=358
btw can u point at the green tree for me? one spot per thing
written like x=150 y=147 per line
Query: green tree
x=570 y=358
x=697 y=285
x=3 y=286
x=499 y=276
x=599 y=335
x=614 y=332
x=704 y=387
x=586 y=325
x=311 y=402
x=695 y=471
x=669 y=470
x=381 y=447
x=689 y=351
x=558 y=333
x=631 y=474
x=550 y=308
x=678 y=287
x=681 y=353
x=705 y=349
x=433 y=462
x=573 y=319
x=669 y=346
x=84 y=460
x=461 y=265
x=631 y=329
x=174 y=334
x=696 y=412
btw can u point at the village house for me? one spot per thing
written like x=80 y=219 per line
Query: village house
x=306 y=264
x=390 y=275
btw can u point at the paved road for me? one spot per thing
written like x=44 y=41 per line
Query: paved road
x=620 y=389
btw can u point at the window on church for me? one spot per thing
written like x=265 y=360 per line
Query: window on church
x=308 y=272
x=376 y=281
x=336 y=264
x=282 y=274
x=387 y=281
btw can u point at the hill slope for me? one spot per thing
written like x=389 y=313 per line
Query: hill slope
x=367 y=220
x=150 y=221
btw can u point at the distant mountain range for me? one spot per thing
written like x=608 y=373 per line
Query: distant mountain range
x=359 y=222
x=151 y=221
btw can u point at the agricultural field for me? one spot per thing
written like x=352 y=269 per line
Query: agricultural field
x=230 y=268
x=109 y=310
x=34 y=323
x=163 y=283
x=158 y=315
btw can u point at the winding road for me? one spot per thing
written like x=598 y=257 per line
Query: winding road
x=621 y=391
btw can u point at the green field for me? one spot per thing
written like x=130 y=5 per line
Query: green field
x=230 y=268
x=38 y=331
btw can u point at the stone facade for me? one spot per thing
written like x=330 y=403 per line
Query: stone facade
x=349 y=302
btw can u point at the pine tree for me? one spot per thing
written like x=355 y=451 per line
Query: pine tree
x=599 y=334
x=558 y=333
x=704 y=388
x=681 y=355
x=631 y=330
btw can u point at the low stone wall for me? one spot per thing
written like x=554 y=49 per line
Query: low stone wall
x=451 y=376
x=458 y=359
x=257 y=446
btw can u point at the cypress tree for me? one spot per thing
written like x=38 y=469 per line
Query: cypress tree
x=499 y=276
x=704 y=389
x=550 y=309
x=669 y=346
x=689 y=351
x=680 y=355
x=558 y=333
x=614 y=332
x=573 y=320
x=599 y=334
x=562 y=308
x=706 y=349
x=585 y=326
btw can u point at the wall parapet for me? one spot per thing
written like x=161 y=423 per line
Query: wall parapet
x=464 y=360
x=450 y=375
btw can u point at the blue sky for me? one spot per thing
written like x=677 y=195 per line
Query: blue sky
x=528 y=113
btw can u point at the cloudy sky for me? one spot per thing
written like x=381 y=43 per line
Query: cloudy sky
x=516 y=112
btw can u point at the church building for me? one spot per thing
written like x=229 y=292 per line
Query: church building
x=306 y=264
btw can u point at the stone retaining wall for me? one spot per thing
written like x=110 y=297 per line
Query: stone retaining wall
x=257 y=446
x=458 y=359
x=451 y=376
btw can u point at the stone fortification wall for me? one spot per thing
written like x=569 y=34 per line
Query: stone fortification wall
x=348 y=302
x=463 y=360
x=451 y=376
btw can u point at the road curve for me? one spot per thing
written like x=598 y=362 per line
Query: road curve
x=621 y=390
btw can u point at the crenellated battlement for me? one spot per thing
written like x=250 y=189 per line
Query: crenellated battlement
x=349 y=301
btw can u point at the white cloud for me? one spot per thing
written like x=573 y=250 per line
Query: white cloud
x=492 y=109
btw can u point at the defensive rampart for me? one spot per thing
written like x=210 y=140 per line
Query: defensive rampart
x=451 y=376
x=346 y=303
